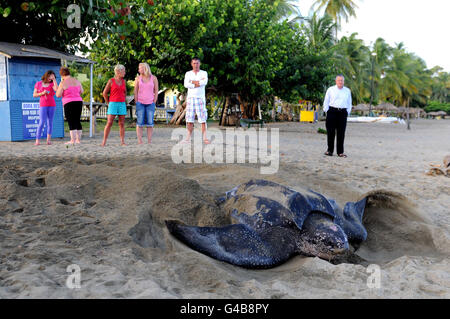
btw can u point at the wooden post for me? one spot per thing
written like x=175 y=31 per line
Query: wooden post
x=224 y=111
x=407 y=115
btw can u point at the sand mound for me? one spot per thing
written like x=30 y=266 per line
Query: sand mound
x=107 y=216
x=395 y=228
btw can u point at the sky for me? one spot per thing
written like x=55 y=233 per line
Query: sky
x=422 y=26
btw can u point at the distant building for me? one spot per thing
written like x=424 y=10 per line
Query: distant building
x=21 y=66
x=170 y=98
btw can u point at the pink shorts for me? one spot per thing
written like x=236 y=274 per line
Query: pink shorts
x=196 y=106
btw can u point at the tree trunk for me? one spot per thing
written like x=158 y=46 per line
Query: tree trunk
x=243 y=106
x=181 y=117
x=274 y=109
x=224 y=111
x=179 y=113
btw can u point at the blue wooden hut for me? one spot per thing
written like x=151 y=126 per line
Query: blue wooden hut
x=21 y=66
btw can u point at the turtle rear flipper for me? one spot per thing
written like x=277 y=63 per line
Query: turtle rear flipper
x=237 y=244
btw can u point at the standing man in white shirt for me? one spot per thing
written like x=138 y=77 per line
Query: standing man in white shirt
x=195 y=81
x=337 y=105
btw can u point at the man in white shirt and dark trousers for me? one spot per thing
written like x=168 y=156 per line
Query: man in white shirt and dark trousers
x=195 y=81
x=337 y=105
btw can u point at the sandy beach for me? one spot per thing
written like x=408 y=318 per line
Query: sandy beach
x=103 y=209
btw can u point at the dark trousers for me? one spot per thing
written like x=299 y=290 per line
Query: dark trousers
x=72 y=111
x=336 y=124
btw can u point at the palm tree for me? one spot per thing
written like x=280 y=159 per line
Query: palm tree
x=351 y=58
x=319 y=31
x=337 y=9
x=441 y=85
x=406 y=79
x=379 y=58
x=287 y=9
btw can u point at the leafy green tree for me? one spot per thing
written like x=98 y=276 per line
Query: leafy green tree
x=53 y=23
x=441 y=85
x=380 y=54
x=351 y=58
x=402 y=77
x=319 y=31
x=285 y=8
x=337 y=9
x=435 y=106
x=242 y=45
x=308 y=70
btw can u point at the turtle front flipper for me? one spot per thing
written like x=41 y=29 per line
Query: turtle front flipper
x=237 y=244
x=353 y=225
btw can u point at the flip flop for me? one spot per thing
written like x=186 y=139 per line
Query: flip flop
x=342 y=155
x=328 y=153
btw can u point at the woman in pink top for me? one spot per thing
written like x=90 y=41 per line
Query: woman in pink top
x=70 y=89
x=145 y=96
x=45 y=90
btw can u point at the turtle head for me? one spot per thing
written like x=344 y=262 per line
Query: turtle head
x=322 y=238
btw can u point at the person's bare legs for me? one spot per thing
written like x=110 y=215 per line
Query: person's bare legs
x=49 y=139
x=190 y=128
x=108 y=126
x=78 y=136
x=149 y=134
x=122 y=129
x=72 y=137
x=139 y=134
x=205 y=140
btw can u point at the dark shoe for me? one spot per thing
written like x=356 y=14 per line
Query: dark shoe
x=342 y=155
x=328 y=153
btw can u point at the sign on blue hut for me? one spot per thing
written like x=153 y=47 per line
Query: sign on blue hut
x=21 y=66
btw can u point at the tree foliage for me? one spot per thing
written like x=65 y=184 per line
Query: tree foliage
x=250 y=47
x=52 y=23
x=242 y=44
x=337 y=9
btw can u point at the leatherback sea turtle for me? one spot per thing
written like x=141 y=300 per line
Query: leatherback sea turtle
x=271 y=223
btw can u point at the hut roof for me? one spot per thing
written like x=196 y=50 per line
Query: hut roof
x=440 y=113
x=361 y=107
x=416 y=110
x=23 y=50
x=387 y=107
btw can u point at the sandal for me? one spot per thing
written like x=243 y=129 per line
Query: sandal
x=328 y=153
x=342 y=155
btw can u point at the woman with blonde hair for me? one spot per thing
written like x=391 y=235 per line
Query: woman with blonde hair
x=145 y=95
x=115 y=93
